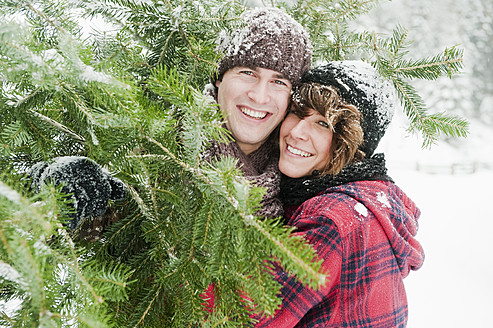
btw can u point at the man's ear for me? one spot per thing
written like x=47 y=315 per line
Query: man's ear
x=217 y=83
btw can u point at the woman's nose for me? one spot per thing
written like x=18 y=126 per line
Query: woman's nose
x=300 y=130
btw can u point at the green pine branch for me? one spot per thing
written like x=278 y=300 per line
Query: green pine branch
x=390 y=60
x=40 y=265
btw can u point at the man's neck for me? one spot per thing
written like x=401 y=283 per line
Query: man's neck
x=248 y=148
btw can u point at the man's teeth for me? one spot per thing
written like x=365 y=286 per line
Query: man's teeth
x=298 y=152
x=253 y=113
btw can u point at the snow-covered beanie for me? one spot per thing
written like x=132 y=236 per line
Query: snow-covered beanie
x=268 y=38
x=360 y=85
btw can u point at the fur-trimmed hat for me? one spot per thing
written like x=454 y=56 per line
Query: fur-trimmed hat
x=269 y=38
x=360 y=85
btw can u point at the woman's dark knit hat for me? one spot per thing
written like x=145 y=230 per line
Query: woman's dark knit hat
x=269 y=38
x=360 y=85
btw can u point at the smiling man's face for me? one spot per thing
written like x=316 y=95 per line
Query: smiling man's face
x=254 y=102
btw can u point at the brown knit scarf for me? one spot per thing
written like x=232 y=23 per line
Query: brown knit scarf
x=260 y=167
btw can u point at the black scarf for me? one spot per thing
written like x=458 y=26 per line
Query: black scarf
x=295 y=191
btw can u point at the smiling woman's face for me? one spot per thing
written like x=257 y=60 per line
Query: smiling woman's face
x=305 y=144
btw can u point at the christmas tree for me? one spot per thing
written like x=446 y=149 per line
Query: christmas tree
x=130 y=98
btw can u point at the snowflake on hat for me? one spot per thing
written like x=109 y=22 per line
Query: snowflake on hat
x=270 y=39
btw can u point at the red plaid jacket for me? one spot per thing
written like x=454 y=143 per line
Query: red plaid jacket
x=365 y=233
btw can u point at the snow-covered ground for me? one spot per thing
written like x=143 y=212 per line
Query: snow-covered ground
x=454 y=287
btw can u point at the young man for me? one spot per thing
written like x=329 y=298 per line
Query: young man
x=262 y=60
x=261 y=63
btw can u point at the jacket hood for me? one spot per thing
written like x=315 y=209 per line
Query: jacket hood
x=354 y=204
x=397 y=214
x=362 y=192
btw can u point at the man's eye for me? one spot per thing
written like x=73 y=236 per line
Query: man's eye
x=247 y=72
x=324 y=124
x=280 y=82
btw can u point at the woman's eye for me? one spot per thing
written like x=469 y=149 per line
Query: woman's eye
x=324 y=124
x=296 y=112
x=280 y=82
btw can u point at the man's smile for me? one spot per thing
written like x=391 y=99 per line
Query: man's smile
x=255 y=114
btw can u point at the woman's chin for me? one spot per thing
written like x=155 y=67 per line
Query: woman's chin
x=292 y=171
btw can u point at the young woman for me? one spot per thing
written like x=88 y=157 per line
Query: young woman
x=338 y=195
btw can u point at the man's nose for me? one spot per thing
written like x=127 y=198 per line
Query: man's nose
x=259 y=92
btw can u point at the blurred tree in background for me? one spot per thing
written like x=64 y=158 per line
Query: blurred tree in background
x=445 y=23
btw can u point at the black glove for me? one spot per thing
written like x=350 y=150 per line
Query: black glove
x=89 y=185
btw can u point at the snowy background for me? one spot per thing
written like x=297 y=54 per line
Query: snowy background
x=454 y=287
x=451 y=182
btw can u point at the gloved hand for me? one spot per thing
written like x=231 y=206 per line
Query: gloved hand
x=89 y=185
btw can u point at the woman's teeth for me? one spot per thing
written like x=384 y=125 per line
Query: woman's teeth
x=298 y=152
x=253 y=113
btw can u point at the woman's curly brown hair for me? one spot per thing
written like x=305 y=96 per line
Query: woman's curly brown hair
x=343 y=118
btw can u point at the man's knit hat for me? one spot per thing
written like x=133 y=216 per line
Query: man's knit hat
x=268 y=38
x=360 y=85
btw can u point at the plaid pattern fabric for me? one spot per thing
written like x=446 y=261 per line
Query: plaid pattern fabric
x=364 y=233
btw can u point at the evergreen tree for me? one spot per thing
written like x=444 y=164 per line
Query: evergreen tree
x=131 y=99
